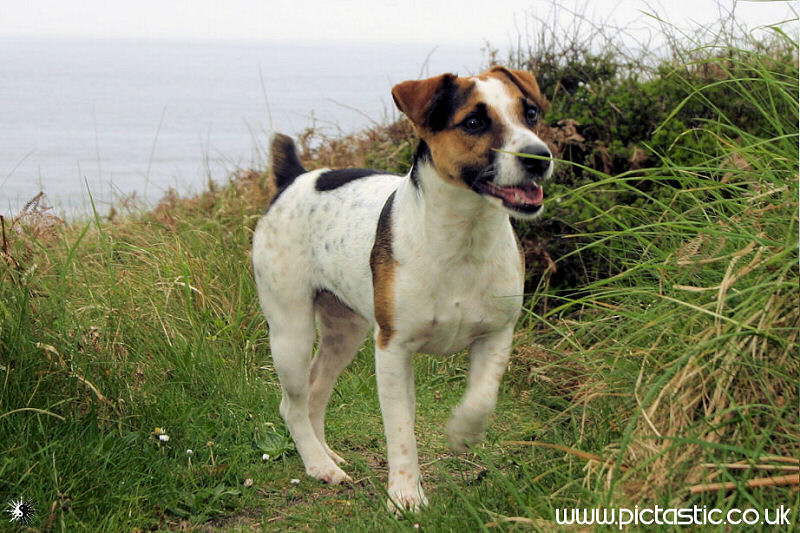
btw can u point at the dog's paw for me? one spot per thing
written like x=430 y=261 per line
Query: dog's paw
x=333 y=475
x=462 y=433
x=403 y=500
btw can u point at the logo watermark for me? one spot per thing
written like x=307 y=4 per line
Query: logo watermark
x=671 y=516
x=20 y=511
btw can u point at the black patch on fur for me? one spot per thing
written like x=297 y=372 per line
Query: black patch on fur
x=469 y=175
x=333 y=179
x=421 y=155
x=472 y=174
x=285 y=163
x=447 y=99
x=480 y=113
x=327 y=296
x=382 y=248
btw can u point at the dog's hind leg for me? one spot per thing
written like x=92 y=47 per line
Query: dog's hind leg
x=292 y=335
x=341 y=332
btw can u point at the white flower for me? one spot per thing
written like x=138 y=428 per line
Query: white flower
x=163 y=437
x=265 y=457
x=189 y=452
x=248 y=482
x=294 y=481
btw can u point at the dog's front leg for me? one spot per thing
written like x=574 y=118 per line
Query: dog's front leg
x=488 y=360
x=397 y=397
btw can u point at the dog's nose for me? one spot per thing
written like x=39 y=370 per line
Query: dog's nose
x=535 y=166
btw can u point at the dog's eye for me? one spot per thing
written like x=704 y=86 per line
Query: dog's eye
x=474 y=124
x=532 y=116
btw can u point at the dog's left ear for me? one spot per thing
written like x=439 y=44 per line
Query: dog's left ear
x=419 y=99
x=526 y=83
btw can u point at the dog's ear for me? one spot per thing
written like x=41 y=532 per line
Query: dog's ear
x=420 y=99
x=526 y=83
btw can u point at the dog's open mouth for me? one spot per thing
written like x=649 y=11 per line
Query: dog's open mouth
x=526 y=197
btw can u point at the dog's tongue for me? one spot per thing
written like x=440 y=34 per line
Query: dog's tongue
x=529 y=195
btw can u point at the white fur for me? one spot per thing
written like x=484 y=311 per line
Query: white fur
x=458 y=284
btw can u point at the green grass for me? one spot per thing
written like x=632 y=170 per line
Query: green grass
x=683 y=353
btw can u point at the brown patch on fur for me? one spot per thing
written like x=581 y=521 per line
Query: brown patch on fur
x=383 y=265
x=453 y=150
x=523 y=80
x=413 y=97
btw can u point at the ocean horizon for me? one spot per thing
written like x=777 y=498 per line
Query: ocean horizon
x=118 y=117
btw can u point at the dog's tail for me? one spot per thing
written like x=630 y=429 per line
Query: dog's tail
x=284 y=161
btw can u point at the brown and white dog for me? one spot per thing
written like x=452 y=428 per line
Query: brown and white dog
x=428 y=260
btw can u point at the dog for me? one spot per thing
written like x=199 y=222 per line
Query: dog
x=428 y=261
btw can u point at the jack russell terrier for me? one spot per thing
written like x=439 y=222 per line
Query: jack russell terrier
x=428 y=260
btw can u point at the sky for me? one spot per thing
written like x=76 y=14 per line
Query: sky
x=466 y=22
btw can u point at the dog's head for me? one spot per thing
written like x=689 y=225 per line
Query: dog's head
x=470 y=125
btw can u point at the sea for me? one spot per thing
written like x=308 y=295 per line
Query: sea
x=115 y=121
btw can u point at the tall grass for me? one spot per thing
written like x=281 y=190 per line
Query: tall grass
x=667 y=355
x=692 y=333
x=701 y=316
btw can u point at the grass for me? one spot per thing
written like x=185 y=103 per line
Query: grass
x=676 y=358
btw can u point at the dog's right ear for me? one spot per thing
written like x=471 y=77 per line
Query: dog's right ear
x=421 y=100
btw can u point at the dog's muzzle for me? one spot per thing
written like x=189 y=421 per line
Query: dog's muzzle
x=526 y=196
